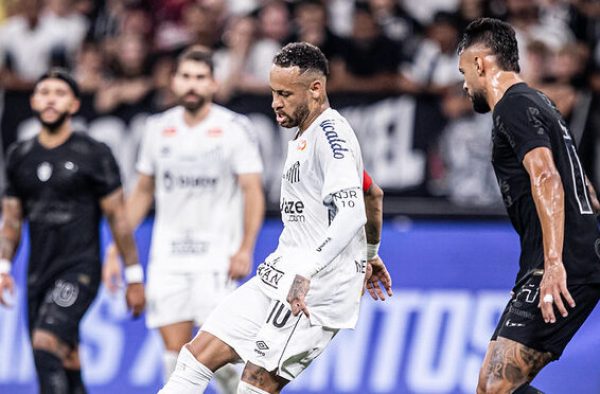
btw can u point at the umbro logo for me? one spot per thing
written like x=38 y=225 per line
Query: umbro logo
x=513 y=324
x=261 y=345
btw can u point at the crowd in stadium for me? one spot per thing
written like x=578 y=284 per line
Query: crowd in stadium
x=122 y=53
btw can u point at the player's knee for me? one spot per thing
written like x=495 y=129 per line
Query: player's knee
x=49 y=342
x=246 y=388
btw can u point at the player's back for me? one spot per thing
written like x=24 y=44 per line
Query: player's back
x=525 y=119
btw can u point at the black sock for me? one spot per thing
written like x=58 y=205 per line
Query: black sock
x=76 y=385
x=527 y=389
x=50 y=371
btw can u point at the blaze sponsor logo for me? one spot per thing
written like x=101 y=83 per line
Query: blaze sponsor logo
x=169 y=131
x=335 y=142
x=269 y=275
x=293 y=210
x=301 y=145
x=292 y=175
x=184 y=181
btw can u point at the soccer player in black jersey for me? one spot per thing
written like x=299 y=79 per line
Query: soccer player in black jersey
x=551 y=205
x=62 y=182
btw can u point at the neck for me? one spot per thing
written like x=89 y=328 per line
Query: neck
x=193 y=118
x=312 y=116
x=58 y=137
x=498 y=84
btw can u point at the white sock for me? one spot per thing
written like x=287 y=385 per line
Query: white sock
x=169 y=364
x=189 y=377
x=227 y=378
x=245 y=388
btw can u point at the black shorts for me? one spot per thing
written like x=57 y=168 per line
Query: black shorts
x=59 y=307
x=522 y=320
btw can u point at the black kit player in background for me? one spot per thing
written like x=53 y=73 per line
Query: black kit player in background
x=62 y=182
x=551 y=205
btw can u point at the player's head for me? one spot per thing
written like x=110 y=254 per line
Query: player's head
x=488 y=46
x=297 y=80
x=193 y=83
x=55 y=98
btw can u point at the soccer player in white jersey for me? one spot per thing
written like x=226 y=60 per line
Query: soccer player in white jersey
x=201 y=164
x=310 y=286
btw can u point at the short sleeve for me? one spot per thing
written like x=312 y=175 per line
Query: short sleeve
x=146 y=160
x=522 y=122
x=367 y=181
x=245 y=155
x=336 y=157
x=11 y=165
x=106 y=177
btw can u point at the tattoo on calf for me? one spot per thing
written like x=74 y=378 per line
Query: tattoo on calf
x=516 y=363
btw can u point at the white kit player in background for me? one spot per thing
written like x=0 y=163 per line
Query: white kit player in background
x=310 y=286
x=201 y=166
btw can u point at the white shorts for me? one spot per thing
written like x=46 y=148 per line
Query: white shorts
x=264 y=332
x=178 y=297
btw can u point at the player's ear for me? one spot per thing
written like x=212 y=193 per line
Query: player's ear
x=316 y=88
x=75 y=106
x=479 y=66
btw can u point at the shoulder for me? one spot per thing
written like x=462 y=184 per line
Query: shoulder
x=335 y=132
x=520 y=99
x=85 y=144
x=19 y=150
x=233 y=122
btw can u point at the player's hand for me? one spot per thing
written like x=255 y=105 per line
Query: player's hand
x=111 y=270
x=136 y=298
x=553 y=288
x=297 y=295
x=240 y=265
x=7 y=283
x=377 y=276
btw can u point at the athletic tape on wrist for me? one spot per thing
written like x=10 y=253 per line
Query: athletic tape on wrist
x=372 y=251
x=134 y=274
x=5 y=266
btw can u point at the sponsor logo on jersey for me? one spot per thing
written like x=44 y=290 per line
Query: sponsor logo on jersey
x=269 y=274
x=301 y=145
x=188 y=245
x=261 y=347
x=70 y=166
x=44 y=171
x=335 y=142
x=183 y=181
x=215 y=132
x=292 y=175
x=293 y=210
x=64 y=293
x=169 y=131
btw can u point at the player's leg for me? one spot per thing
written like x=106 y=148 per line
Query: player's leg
x=49 y=353
x=72 y=364
x=174 y=336
x=257 y=380
x=509 y=366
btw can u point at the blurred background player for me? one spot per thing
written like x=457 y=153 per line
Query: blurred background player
x=62 y=182
x=267 y=322
x=551 y=205
x=200 y=163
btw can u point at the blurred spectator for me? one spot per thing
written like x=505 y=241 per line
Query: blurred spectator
x=434 y=67
x=468 y=11
x=274 y=21
x=368 y=60
x=424 y=10
x=537 y=56
x=397 y=24
x=89 y=68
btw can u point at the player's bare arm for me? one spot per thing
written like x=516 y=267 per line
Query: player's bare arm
x=10 y=236
x=548 y=195
x=113 y=207
x=254 y=212
x=376 y=270
x=593 y=196
x=138 y=205
x=297 y=295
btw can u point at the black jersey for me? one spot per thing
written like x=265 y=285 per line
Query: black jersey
x=525 y=119
x=60 y=191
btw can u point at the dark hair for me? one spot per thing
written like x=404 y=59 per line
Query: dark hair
x=197 y=53
x=303 y=55
x=63 y=75
x=498 y=36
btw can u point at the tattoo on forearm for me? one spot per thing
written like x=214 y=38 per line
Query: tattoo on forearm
x=299 y=287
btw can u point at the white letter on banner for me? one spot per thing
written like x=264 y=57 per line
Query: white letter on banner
x=436 y=356
x=490 y=305
x=390 y=343
x=102 y=343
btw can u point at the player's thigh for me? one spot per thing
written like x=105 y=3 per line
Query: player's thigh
x=176 y=335
x=168 y=298
x=64 y=305
x=208 y=290
x=286 y=345
x=237 y=319
x=259 y=377
x=508 y=365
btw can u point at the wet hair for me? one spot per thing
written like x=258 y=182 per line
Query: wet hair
x=498 y=36
x=63 y=75
x=303 y=55
x=197 y=53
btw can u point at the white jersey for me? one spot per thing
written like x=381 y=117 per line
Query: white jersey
x=321 y=162
x=199 y=205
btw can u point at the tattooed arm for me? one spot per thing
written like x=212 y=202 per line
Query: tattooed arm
x=10 y=236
